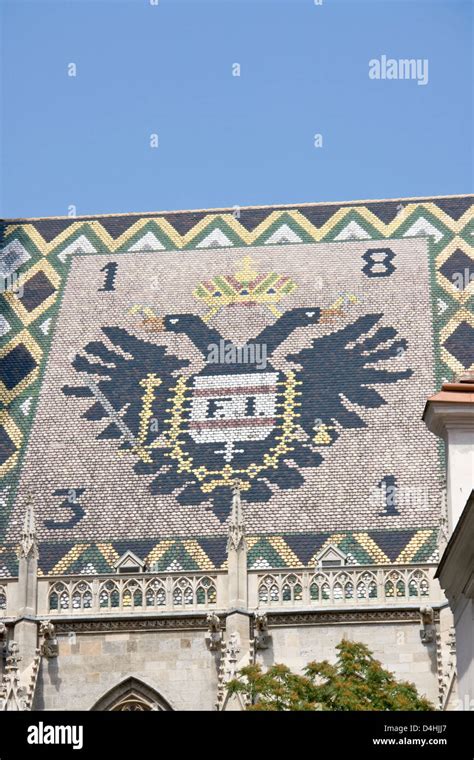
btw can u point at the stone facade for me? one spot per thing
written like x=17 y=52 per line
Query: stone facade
x=182 y=670
x=176 y=664
x=83 y=654
x=450 y=414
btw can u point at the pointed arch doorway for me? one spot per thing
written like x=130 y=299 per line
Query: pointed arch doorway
x=131 y=695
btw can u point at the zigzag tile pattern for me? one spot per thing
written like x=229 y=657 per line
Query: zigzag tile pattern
x=297 y=550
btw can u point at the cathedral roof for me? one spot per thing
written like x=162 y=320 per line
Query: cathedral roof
x=149 y=362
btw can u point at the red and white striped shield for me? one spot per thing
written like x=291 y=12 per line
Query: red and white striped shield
x=229 y=408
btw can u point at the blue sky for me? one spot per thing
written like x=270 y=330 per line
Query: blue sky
x=166 y=69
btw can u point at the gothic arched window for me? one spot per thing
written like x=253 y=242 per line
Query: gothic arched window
x=131 y=695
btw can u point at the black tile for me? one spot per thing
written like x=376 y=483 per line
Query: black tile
x=51 y=228
x=392 y=542
x=7 y=447
x=15 y=366
x=461 y=344
x=36 y=290
x=458 y=266
x=305 y=545
x=454 y=207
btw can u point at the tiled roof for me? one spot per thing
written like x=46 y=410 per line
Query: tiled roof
x=73 y=432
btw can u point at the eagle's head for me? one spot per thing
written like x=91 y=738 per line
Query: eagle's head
x=182 y=323
x=300 y=317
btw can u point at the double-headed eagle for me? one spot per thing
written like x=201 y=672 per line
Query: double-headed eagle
x=197 y=435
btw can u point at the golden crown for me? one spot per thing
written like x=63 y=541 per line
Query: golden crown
x=244 y=288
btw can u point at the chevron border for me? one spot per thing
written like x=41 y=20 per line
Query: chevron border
x=296 y=551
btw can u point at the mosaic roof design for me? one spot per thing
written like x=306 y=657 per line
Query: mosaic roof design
x=298 y=550
x=329 y=324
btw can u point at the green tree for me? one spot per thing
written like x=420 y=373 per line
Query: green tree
x=357 y=681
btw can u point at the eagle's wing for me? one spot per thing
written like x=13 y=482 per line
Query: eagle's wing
x=119 y=380
x=341 y=365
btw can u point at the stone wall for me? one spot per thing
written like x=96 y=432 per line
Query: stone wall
x=182 y=670
x=177 y=665
x=397 y=645
x=464 y=620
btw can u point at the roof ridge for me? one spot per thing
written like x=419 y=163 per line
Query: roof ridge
x=143 y=214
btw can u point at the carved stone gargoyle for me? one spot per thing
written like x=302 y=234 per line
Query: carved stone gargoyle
x=427 y=631
x=262 y=638
x=49 y=647
x=214 y=633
